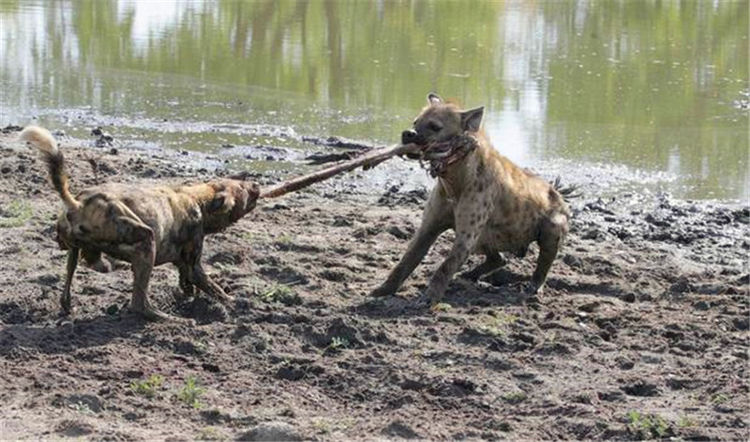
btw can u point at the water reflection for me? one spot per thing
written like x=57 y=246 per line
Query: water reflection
x=649 y=85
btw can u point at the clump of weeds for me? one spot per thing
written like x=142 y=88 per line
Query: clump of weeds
x=147 y=387
x=191 y=392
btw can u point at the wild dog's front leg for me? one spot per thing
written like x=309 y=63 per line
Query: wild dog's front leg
x=188 y=290
x=191 y=267
x=70 y=271
x=471 y=216
x=205 y=283
x=551 y=235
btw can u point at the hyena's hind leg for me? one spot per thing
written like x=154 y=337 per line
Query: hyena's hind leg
x=551 y=236
x=492 y=261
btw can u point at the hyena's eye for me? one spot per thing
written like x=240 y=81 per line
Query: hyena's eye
x=435 y=127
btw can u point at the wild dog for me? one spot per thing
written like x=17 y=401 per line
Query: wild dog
x=145 y=226
x=493 y=205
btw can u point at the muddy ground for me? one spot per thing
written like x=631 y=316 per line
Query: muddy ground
x=642 y=331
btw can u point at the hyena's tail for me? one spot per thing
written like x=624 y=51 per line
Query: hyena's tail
x=568 y=192
x=40 y=138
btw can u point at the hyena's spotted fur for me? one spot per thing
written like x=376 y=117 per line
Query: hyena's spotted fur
x=493 y=205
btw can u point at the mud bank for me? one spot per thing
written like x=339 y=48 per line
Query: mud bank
x=642 y=331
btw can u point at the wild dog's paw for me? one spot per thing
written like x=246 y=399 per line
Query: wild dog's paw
x=533 y=288
x=383 y=290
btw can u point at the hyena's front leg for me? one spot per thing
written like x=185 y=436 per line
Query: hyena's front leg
x=418 y=248
x=471 y=216
x=436 y=220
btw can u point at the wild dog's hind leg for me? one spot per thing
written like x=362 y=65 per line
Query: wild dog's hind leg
x=551 y=235
x=493 y=260
x=70 y=268
x=95 y=262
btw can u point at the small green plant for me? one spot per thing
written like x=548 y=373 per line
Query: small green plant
x=441 y=307
x=190 y=393
x=686 y=422
x=16 y=214
x=496 y=325
x=514 y=397
x=338 y=343
x=647 y=426
x=322 y=426
x=285 y=239
x=147 y=387
x=719 y=399
x=281 y=293
x=210 y=433
x=82 y=407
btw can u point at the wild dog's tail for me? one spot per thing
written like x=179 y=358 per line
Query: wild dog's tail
x=568 y=192
x=40 y=138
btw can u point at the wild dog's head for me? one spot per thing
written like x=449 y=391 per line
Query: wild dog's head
x=233 y=198
x=440 y=121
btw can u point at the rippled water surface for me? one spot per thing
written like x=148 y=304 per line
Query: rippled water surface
x=656 y=88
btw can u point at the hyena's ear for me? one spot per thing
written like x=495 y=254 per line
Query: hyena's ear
x=472 y=119
x=433 y=99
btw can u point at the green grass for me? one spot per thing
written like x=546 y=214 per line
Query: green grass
x=16 y=214
x=147 y=387
x=338 y=343
x=647 y=426
x=280 y=293
x=496 y=325
x=441 y=307
x=514 y=397
x=191 y=392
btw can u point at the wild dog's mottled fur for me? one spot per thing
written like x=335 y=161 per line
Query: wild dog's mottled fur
x=493 y=205
x=146 y=226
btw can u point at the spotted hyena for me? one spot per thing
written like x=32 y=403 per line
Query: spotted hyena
x=492 y=205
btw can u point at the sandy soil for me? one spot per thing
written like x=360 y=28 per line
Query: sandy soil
x=642 y=331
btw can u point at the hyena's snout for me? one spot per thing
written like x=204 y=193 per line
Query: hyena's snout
x=410 y=136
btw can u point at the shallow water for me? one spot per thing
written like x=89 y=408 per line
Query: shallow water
x=655 y=91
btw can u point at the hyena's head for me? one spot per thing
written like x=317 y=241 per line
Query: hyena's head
x=232 y=199
x=441 y=121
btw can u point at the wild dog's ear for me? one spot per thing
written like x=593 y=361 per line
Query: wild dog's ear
x=222 y=202
x=433 y=99
x=472 y=119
